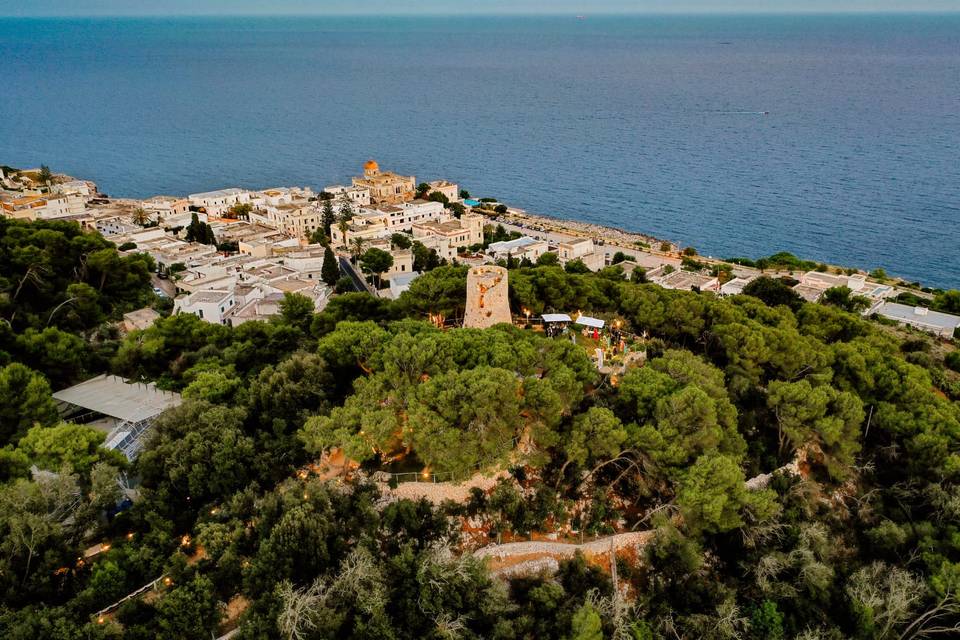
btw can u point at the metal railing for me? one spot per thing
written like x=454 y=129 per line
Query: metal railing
x=413 y=476
x=129 y=596
x=446 y=476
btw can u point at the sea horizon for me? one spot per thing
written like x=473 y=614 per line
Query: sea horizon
x=537 y=15
x=739 y=134
x=531 y=16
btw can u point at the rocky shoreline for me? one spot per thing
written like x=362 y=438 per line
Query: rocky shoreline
x=574 y=228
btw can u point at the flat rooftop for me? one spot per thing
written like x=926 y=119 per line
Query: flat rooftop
x=450 y=226
x=828 y=280
x=686 y=280
x=735 y=286
x=575 y=241
x=209 y=296
x=808 y=292
x=510 y=245
x=219 y=193
x=919 y=315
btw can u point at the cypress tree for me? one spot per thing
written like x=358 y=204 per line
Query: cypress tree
x=208 y=237
x=330 y=271
x=194 y=230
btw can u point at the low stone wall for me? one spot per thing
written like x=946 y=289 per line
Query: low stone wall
x=564 y=549
x=761 y=481
x=521 y=558
x=438 y=492
x=548 y=564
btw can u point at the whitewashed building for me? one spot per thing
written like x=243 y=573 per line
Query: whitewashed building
x=519 y=248
x=217 y=202
x=581 y=249
x=941 y=324
x=209 y=305
x=357 y=196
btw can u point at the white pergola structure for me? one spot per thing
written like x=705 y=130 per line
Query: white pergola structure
x=124 y=410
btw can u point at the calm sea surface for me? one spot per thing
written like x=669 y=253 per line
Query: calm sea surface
x=652 y=124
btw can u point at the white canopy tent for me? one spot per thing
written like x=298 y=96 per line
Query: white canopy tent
x=555 y=317
x=587 y=321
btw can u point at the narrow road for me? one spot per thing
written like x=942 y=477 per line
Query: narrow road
x=166 y=286
x=347 y=268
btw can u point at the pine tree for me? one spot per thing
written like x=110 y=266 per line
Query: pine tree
x=329 y=216
x=330 y=271
x=45 y=176
x=346 y=211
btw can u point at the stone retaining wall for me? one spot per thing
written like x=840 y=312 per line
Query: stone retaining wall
x=437 y=492
x=564 y=549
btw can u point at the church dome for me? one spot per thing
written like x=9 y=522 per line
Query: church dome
x=371 y=166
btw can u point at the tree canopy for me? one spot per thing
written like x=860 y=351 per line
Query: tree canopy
x=789 y=469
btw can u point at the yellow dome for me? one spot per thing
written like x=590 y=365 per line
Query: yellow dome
x=371 y=165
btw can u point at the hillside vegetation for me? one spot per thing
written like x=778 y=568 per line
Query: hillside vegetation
x=858 y=538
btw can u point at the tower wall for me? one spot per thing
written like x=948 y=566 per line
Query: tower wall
x=488 y=301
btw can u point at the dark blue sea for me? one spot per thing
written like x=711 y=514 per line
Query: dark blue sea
x=654 y=124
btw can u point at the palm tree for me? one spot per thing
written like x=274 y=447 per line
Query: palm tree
x=356 y=247
x=343 y=225
x=139 y=216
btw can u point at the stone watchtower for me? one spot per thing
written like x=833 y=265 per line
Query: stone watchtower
x=488 y=301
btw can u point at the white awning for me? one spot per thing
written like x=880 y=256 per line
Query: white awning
x=587 y=321
x=555 y=317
